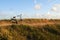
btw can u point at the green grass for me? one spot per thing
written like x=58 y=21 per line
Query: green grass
x=24 y=32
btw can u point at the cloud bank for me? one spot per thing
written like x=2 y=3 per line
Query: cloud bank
x=37 y=7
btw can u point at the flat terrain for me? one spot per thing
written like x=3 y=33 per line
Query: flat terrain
x=30 y=22
x=30 y=29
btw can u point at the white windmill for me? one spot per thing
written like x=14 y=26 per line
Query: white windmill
x=20 y=16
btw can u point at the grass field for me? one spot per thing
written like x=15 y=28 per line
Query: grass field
x=30 y=29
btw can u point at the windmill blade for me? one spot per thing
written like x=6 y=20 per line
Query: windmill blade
x=19 y=15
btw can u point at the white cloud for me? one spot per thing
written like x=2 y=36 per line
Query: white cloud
x=37 y=7
x=52 y=15
x=48 y=15
x=57 y=5
x=38 y=15
x=55 y=16
x=51 y=0
x=56 y=8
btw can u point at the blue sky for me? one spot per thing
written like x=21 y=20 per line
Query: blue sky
x=30 y=8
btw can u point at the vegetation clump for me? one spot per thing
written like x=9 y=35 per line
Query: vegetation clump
x=24 y=32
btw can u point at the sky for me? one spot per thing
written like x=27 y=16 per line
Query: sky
x=49 y=9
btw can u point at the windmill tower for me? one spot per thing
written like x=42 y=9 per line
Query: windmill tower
x=20 y=17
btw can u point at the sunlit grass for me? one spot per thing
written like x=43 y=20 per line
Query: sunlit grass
x=24 y=32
